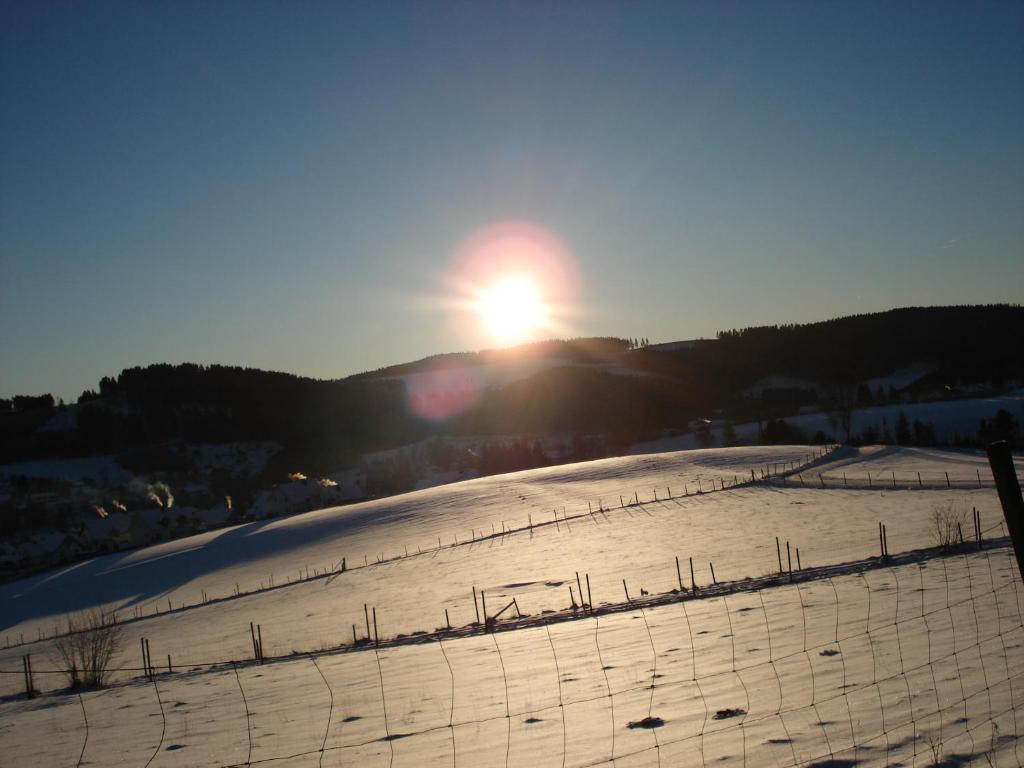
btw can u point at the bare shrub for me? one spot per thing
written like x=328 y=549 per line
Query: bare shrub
x=91 y=641
x=947 y=523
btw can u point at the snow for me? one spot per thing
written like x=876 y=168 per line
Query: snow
x=950 y=418
x=483 y=376
x=63 y=419
x=931 y=464
x=579 y=682
x=102 y=469
x=897 y=379
x=297 y=496
x=779 y=382
x=238 y=459
x=814 y=668
x=900 y=378
x=618 y=370
x=671 y=346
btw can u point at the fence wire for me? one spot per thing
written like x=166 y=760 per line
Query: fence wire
x=917 y=664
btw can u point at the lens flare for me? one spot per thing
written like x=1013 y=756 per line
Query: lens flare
x=512 y=283
x=508 y=284
x=441 y=393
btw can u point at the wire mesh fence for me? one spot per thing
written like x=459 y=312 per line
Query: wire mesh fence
x=658 y=503
x=487 y=532
x=919 y=663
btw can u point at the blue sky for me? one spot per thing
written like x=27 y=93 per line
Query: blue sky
x=285 y=185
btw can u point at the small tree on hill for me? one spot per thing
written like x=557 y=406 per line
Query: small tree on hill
x=947 y=523
x=87 y=650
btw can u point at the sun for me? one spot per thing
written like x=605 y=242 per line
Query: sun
x=511 y=309
x=508 y=284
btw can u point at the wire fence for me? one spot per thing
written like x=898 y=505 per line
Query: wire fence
x=796 y=472
x=910 y=662
x=700 y=484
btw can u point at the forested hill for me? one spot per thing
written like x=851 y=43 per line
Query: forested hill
x=862 y=346
x=583 y=350
x=615 y=386
x=963 y=345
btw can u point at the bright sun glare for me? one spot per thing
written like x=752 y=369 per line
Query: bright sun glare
x=511 y=309
x=510 y=283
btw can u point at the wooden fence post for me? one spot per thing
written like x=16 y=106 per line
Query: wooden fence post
x=30 y=686
x=1001 y=461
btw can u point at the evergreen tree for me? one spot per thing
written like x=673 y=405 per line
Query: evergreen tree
x=1003 y=426
x=924 y=434
x=864 y=394
x=729 y=436
x=903 y=436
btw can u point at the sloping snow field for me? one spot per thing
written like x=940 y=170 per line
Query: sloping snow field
x=949 y=418
x=907 y=661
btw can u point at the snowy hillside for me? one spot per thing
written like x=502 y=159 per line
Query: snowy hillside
x=785 y=675
x=949 y=418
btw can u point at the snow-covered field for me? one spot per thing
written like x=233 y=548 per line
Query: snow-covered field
x=949 y=418
x=873 y=664
x=102 y=469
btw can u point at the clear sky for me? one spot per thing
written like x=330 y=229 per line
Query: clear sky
x=287 y=185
